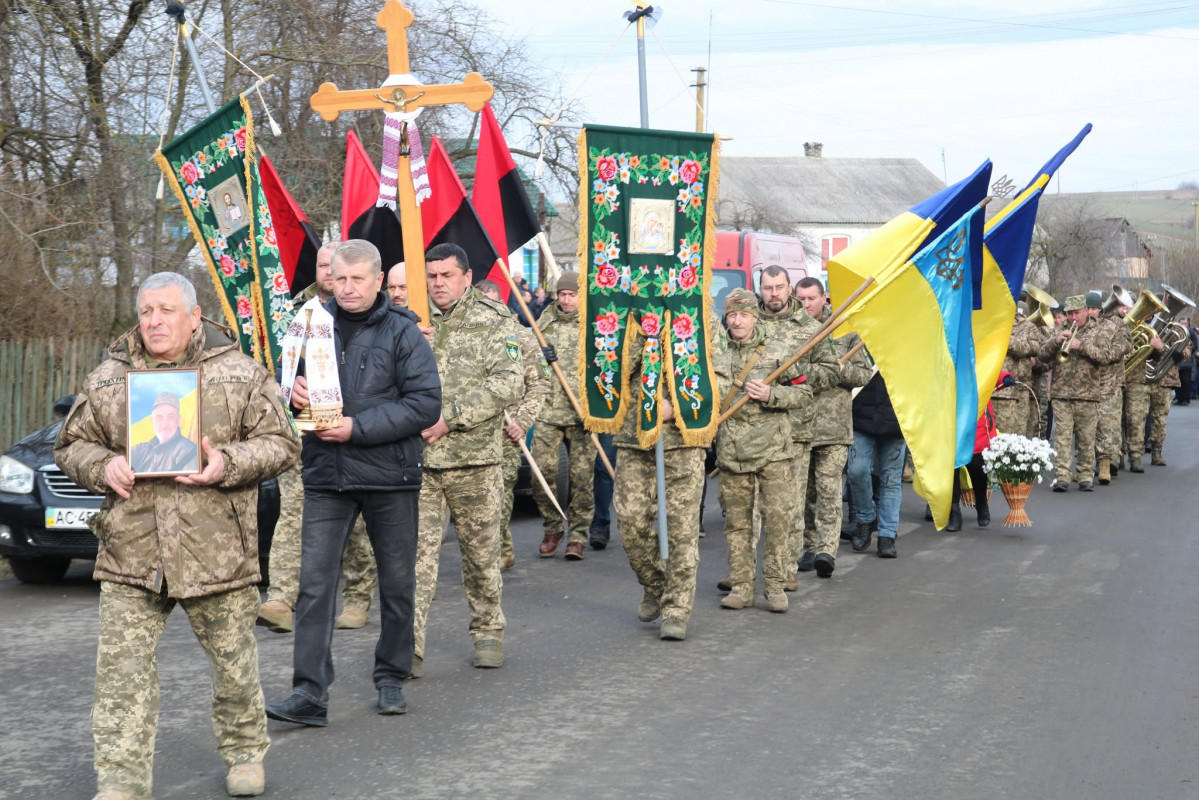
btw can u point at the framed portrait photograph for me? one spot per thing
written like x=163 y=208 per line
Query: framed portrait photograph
x=163 y=410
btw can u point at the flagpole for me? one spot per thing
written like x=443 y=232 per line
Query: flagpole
x=570 y=395
x=176 y=9
x=659 y=449
x=826 y=329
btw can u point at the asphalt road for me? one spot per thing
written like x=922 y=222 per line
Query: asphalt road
x=1057 y=661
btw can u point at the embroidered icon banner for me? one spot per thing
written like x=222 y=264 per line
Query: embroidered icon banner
x=214 y=173
x=647 y=238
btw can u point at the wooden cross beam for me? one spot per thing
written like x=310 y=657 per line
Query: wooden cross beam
x=473 y=92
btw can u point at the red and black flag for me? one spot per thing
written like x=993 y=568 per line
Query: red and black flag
x=298 y=242
x=362 y=216
x=498 y=194
x=448 y=216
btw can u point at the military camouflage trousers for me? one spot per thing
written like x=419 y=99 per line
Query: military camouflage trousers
x=511 y=468
x=802 y=465
x=772 y=485
x=1109 y=435
x=125 y=711
x=1159 y=409
x=636 y=500
x=1137 y=400
x=357 y=563
x=1011 y=413
x=1074 y=423
x=826 y=487
x=547 y=439
x=471 y=496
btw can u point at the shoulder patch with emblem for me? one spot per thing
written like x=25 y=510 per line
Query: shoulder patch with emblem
x=513 y=348
x=545 y=367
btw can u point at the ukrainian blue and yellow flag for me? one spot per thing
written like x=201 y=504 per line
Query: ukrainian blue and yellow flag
x=1006 y=244
x=916 y=322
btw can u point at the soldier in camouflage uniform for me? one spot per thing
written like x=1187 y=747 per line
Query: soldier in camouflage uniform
x=831 y=433
x=479 y=360
x=755 y=455
x=558 y=424
x=358 y=562
x=668 y=587
x=1142 y=400
x=1012 y=402
x=1109 y=438
x=524 y=413
x=786 y=319
x=1074 y=389
x=189 y=540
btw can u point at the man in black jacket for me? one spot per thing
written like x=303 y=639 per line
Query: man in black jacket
x=370 y=464
x=876 y=434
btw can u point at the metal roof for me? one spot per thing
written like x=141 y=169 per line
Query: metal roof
x=807 y=191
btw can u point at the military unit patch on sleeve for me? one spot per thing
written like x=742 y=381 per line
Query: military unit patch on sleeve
x=513 y=348
x=545 y=367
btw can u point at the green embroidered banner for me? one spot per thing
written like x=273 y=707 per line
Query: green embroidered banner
x=213 y=171
x=647 y=231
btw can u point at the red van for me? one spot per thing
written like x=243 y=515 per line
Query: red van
x=742 y=255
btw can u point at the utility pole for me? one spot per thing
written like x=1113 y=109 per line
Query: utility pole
x=701 y=83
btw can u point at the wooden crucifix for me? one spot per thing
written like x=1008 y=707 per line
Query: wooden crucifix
x=473 y=92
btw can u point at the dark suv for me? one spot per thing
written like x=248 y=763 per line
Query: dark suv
x=44 y=515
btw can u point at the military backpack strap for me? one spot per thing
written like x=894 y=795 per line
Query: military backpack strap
x=739 y=381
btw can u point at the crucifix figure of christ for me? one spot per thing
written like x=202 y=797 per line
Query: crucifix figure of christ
x=402 y=94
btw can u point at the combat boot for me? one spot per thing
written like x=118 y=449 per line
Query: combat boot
x=741 y=596
x=776 y=599
x=674 y=630
x=245 y=780
x=1105 y=471
x=276 y=616
x=353 y=617
x=1157 y=459
x=861 y=537
x=650 y=608
x=1134 y=463
x=489 y=654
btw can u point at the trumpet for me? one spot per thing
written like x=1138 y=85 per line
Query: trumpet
x=1063 y=353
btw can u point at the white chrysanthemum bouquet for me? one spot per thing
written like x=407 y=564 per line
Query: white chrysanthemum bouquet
x=1012 y=458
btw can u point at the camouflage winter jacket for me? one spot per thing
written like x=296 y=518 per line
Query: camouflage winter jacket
x=759 y=433
x=672 y=439
x=479 y=361
x=562 y=331
x=1113 y=333
x=197 y=540
x=794 y=327
x=535 y=386
x=1077 y=378
x=1022 y=348
x=832 y=415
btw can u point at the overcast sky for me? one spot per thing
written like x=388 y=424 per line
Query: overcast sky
x=1011 y=81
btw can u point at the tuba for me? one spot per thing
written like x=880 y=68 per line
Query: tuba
x=1146 y=306
x=1039 y=302
x=1173 y=335
x=1118 y=297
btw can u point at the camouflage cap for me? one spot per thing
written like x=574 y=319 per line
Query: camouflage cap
x=167 y=399
x=1076 y=302
x=741 y=300
x=1094 y=299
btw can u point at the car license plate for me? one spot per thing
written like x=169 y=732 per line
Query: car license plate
x=69 y=518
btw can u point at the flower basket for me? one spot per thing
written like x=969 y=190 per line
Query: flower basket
x=1016 y=495
x=1017 y=462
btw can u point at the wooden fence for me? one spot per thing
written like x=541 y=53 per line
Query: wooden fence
x=35 y=373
